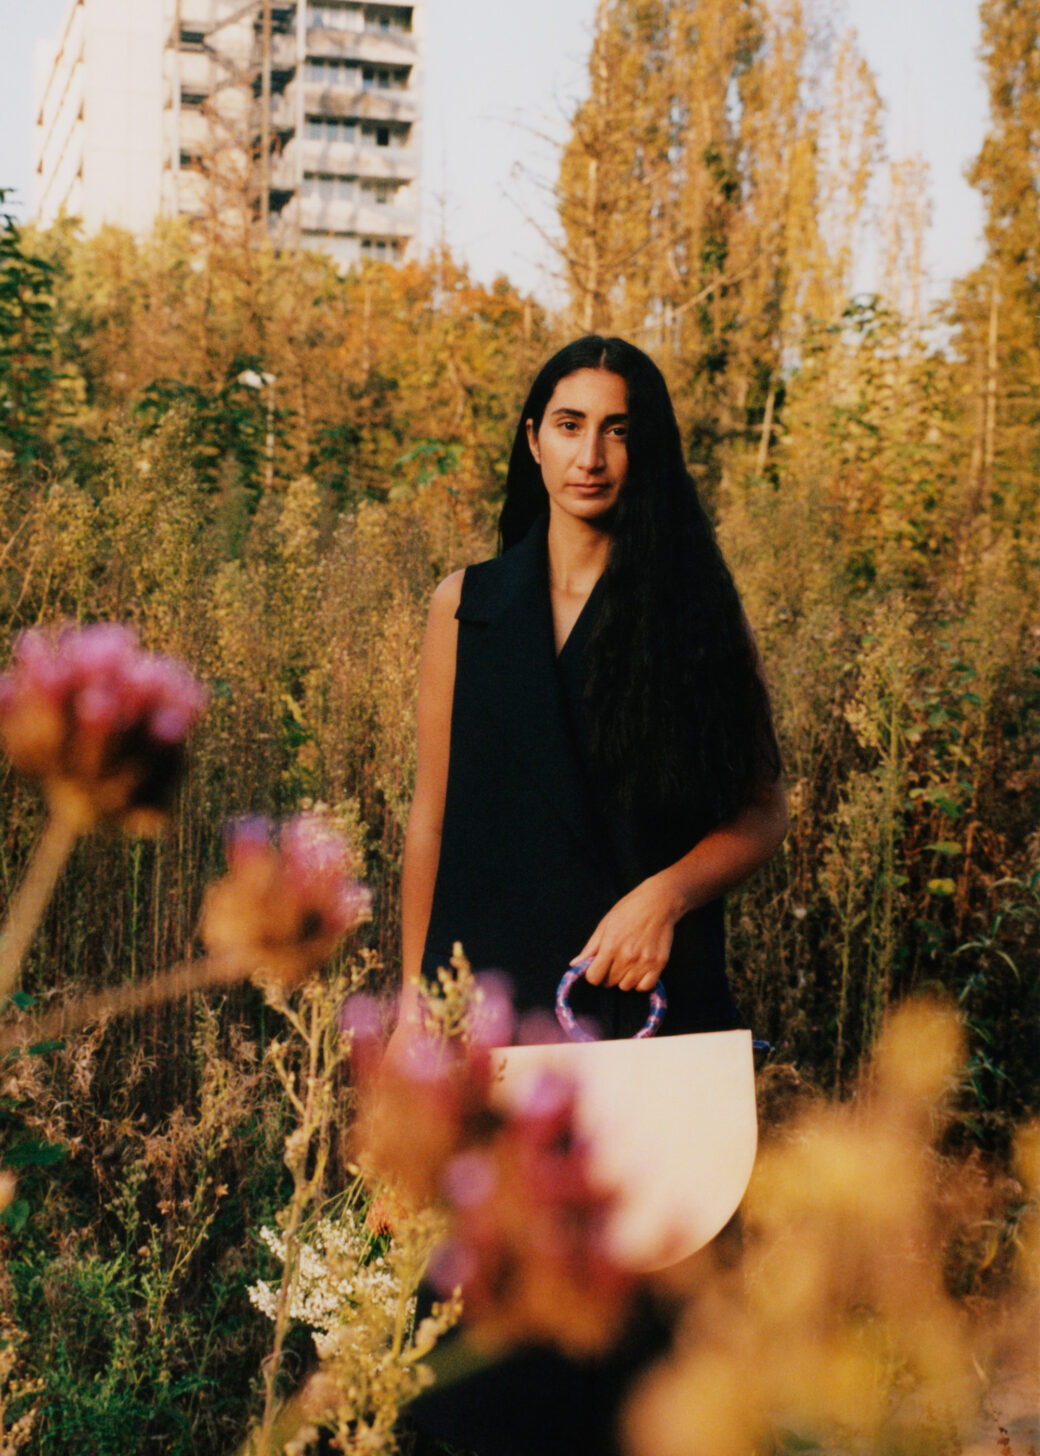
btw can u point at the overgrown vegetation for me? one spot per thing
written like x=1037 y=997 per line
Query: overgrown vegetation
x=874 y=483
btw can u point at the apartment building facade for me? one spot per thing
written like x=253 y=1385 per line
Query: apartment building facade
x=306 y=119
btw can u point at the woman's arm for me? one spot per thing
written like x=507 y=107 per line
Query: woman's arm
x=422 y=845
x=631 y=944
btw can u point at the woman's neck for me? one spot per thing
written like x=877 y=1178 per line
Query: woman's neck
x=577 y=555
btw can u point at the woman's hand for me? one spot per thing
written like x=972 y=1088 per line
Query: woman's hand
x=631 y=944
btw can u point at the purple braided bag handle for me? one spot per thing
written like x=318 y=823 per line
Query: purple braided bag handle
x=567 y=1019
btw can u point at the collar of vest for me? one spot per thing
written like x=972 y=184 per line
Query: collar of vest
x=492 y=587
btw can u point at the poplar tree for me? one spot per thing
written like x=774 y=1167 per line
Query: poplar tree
x=999 y=307
x=709 y=196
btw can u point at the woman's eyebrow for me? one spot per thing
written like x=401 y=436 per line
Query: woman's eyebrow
x=577 y=414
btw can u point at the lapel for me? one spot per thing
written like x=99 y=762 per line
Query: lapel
x=514 y=655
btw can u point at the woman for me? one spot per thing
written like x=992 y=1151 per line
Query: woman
x=597 y=767
x=596 y=760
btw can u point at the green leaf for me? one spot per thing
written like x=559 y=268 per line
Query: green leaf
x=35 y=1154
x=15 y=1216
x=945 y=846
x=794 y=1441
x=944 y=888
x=40 y=1048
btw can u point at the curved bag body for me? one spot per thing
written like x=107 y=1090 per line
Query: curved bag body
x=672 y=1127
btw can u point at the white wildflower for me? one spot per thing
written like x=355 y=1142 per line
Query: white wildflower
x=337 y=1282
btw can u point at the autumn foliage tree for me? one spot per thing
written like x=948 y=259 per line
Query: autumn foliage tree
x=711 y=193
x=997 y=308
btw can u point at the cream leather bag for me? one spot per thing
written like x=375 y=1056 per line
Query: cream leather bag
x=671 y=1125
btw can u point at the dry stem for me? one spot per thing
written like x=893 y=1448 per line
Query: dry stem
x=180 y=980
x=33 y=895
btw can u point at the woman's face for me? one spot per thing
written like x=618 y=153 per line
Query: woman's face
x=581 y=444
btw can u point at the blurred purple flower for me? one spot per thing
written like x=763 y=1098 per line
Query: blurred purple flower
x=469 y=1179
x=99 y=722
x=361 y=1017
x=287 y=899
x=492 y=1018
x=528 y=1234
x=452 y=1266
x=539 y=1028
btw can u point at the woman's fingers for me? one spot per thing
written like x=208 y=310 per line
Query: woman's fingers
x=630 y=946
x=598 y=973
x=628 y=968
x=641 y=975
x=588 y=952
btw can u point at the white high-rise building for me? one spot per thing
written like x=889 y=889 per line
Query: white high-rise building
x=304 y=118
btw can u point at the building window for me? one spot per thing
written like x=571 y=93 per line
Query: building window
x=331 y=73
x=335 y=17
x=386 y=78
x=192 y=40
x=384 y=20
x=192 y=99
x=328 y=187
x=376 y=190
x=380 y=247
x=383 y=133
x=331 y=129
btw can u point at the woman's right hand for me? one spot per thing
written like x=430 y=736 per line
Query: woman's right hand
x=630 y=946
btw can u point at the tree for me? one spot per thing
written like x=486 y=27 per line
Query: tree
x=33 y=388
x=710 y=195
x=999 y=306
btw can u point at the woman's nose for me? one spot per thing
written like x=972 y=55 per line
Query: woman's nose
x=590 y=455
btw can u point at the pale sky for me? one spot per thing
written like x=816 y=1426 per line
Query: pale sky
x=504 y=75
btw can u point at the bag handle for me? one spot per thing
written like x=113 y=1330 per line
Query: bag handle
x=567 y=1019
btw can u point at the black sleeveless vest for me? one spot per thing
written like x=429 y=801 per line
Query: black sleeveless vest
x=528 y=866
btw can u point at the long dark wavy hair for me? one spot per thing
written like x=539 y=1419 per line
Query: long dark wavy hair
x=678 y=717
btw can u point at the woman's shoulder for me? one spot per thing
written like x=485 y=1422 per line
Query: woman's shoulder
x=473 y=592
x=448 y=594
x=478 y=592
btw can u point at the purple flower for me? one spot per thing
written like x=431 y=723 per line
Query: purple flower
x=492 y=1017
x=287 y=899
x=361 y=1017
x=99 y=722
x=469 y=1179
